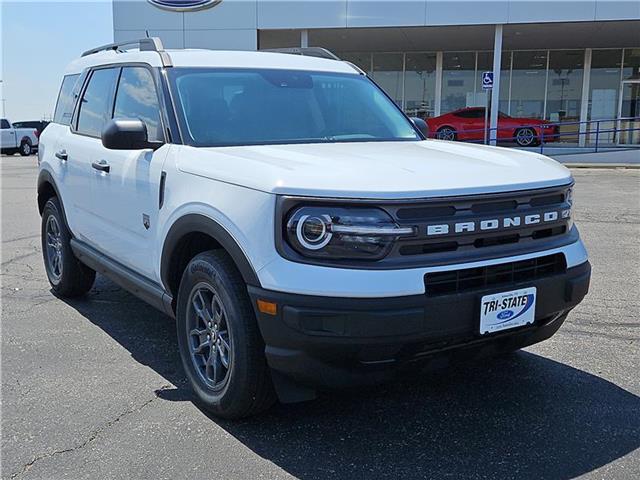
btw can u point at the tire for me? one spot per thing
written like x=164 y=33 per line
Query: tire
x=67 y=275
x=447 y=133
x=526 y=137
x=25 y=148
x=222 y=352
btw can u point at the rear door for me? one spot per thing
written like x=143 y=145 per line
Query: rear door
x=126 y=199
x=51 y=152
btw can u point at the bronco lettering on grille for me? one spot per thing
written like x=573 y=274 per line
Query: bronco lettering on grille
x=497 y=224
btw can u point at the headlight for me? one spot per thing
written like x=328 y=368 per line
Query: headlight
x=342 y=233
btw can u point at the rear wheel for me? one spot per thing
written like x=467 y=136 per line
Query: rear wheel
x=67 y=275
x=220 y=344
x=446 y=133
x=25 y=148
x=526 y=137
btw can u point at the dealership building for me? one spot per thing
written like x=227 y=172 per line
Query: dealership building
x=563 y=61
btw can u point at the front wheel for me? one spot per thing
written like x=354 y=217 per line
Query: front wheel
x=220 y=344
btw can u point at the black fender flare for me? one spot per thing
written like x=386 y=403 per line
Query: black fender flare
x=45 y=177
x=197 y=223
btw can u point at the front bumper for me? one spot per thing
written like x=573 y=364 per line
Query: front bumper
x=341 y=342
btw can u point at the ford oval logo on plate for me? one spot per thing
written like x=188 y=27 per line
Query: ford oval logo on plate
x=505 y=315
x=184 y=5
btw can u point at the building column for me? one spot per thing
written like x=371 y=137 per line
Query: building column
x=495 y=93
x=437 y=99
x=304 y=38
x=584 y=103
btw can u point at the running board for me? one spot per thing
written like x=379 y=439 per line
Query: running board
x=131 y=281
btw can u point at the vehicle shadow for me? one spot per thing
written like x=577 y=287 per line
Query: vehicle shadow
x=517 y=416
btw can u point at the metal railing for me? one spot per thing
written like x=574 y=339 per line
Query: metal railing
x=592 y=135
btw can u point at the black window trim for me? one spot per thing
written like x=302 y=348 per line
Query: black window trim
x=120 y=66
x=76 y=113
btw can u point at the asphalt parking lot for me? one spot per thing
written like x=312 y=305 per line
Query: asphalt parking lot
x=93 y=388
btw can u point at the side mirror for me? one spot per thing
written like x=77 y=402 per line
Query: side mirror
x=421 y=125
x=127 y=134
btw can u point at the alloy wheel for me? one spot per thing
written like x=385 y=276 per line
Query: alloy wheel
x=54 y=248
x=446 y=134
x=209 y=336
x=525 y=137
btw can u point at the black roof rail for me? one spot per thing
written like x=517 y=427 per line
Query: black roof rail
x=150 y=44
x=305 y=51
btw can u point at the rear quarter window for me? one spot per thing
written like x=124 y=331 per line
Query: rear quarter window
x=66 y=99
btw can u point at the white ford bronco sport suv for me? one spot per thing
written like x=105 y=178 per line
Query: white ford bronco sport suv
x=295 y=223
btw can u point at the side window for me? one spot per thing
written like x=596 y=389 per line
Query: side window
x=471 y=113
x=136 y=97
x=95 y=106
x=4 y=124
x=66 y=100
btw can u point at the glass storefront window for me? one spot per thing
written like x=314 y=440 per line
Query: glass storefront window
x=604 y=84
x=505 y=82
x=631 y=67
x=528 y=79
x=362 y=60
x=484 y=63
x=458 y=80
x=387 y=72
x=564 y=86
x=420 y=84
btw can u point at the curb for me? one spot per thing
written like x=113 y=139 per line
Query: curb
x=602 y=165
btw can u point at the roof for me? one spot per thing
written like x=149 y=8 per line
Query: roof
x=214 y=58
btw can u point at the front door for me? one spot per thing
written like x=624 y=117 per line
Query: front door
x=81 y=145
x=629 y=113
x=126 y=198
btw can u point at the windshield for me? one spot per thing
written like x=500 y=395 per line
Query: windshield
x=218 y=107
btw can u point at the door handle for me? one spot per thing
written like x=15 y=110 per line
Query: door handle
x=62 y=155
x=101 y=166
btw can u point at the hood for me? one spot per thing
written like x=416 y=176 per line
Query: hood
x=385 y=170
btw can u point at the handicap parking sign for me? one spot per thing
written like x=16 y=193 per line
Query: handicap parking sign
x=487 y=80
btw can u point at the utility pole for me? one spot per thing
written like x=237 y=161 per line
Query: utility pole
x=2 y=99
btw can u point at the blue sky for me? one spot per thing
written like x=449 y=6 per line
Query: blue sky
x=38 y=40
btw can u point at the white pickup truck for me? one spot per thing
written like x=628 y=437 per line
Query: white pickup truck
x=14 y=140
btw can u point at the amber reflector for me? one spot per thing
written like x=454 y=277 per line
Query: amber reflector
x=269 y=308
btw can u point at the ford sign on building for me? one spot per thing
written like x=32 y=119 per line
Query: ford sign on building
x=568 y=62
x=184 y=5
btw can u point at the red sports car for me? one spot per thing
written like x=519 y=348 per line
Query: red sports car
x=468 y=124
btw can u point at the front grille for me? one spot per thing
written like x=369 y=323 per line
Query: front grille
x=469 y=279
x=481 y=227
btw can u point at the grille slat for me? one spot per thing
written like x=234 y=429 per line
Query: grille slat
x=469 y=279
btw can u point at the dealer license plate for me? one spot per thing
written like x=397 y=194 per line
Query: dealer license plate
x=502 y=311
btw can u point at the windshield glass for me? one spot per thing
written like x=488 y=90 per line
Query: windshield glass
x=220 y=107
